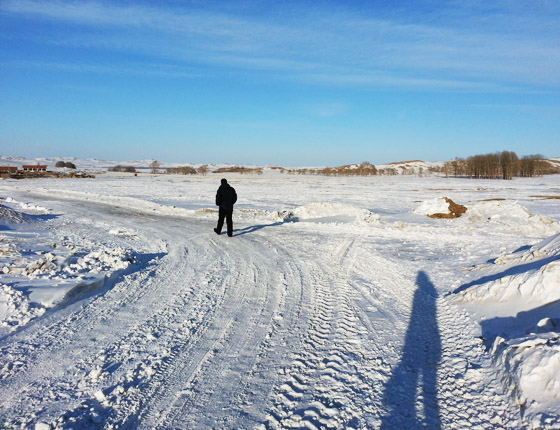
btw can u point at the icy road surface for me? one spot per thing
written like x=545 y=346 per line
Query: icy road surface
x=324 y=318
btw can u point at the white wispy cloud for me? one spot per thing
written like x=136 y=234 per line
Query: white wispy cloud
x=342 y=47
x=139 y=69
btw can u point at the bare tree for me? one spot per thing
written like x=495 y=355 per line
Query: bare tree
x=155 y=165
x=509 y=163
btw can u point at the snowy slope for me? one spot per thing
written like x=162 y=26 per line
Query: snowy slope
x=414 y=167
x=335 y=304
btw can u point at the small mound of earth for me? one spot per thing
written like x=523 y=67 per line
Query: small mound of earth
x=455 y=210
x=441 y=208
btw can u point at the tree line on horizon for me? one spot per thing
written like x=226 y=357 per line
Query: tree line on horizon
x=368 y=169
x=499 y=165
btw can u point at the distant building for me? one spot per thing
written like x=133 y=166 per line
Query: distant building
x=8 y=169
x=34 y=168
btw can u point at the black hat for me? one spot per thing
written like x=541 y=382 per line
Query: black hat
x=224 y=181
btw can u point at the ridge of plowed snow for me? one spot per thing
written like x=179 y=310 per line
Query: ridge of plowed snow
x=329 y=213
x=509 y=215
x=518 y=298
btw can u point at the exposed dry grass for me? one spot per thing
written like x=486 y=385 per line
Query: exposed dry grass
x=238 y=169
x=546 y=197
x=404 y=162
x=493 y=200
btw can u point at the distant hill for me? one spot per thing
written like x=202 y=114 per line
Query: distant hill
x=555 y=162
x=413 y=167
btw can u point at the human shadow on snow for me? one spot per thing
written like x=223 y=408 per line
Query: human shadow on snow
x=410 y=395
x=251 y=229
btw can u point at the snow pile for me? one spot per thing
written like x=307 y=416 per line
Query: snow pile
x=9 y=215
x=45 y=265
x=329 y=213
x=440 y=207
x=530 y=366
x=51 y=265
x=510 y=215
x=104 y=260
x=51 y=278
x=519 y=298
x=15 y=309
x=521 y=280
x=7 y=249
x=26 y=207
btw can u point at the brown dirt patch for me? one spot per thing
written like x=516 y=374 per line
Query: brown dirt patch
x=546 y=197
x=455 y=211
x=493 y=200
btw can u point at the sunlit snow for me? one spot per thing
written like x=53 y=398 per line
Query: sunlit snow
x=338 y=303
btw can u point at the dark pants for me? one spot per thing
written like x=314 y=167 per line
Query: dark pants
x=226 y=213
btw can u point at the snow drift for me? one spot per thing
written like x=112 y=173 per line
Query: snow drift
x=27 y=207
x=328 y=213
x=501 y=214
x=520 y=280
x=40 y=271
x=509 y=215
x=519 y=298
x=8 y=215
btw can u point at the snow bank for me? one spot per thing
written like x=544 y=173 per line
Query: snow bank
x=523 y=289
x=26 y=207
x=11 y=216
x=530 y=367
x=329 y=213
x=36 y=281
x=521 y=280
x=509 y=215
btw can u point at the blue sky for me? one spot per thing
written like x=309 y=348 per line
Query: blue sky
x=279 y=82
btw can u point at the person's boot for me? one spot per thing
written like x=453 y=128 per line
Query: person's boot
x=216 y=231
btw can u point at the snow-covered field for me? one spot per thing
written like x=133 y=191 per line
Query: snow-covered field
x=337 y=304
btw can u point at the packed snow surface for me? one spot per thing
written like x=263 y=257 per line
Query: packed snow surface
x=337 y=303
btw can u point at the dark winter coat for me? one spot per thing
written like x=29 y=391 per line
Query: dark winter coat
x=226 y=197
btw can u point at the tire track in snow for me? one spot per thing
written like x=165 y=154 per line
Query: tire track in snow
x=133 y=378
x=230 y=378
x=314 y=325
x=122 y=307
x=190 y=346
x=467 y=379
x=327 y=383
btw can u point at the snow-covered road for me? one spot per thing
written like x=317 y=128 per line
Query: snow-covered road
x=308 y=324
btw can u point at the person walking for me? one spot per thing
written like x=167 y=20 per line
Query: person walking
x=225 y=199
